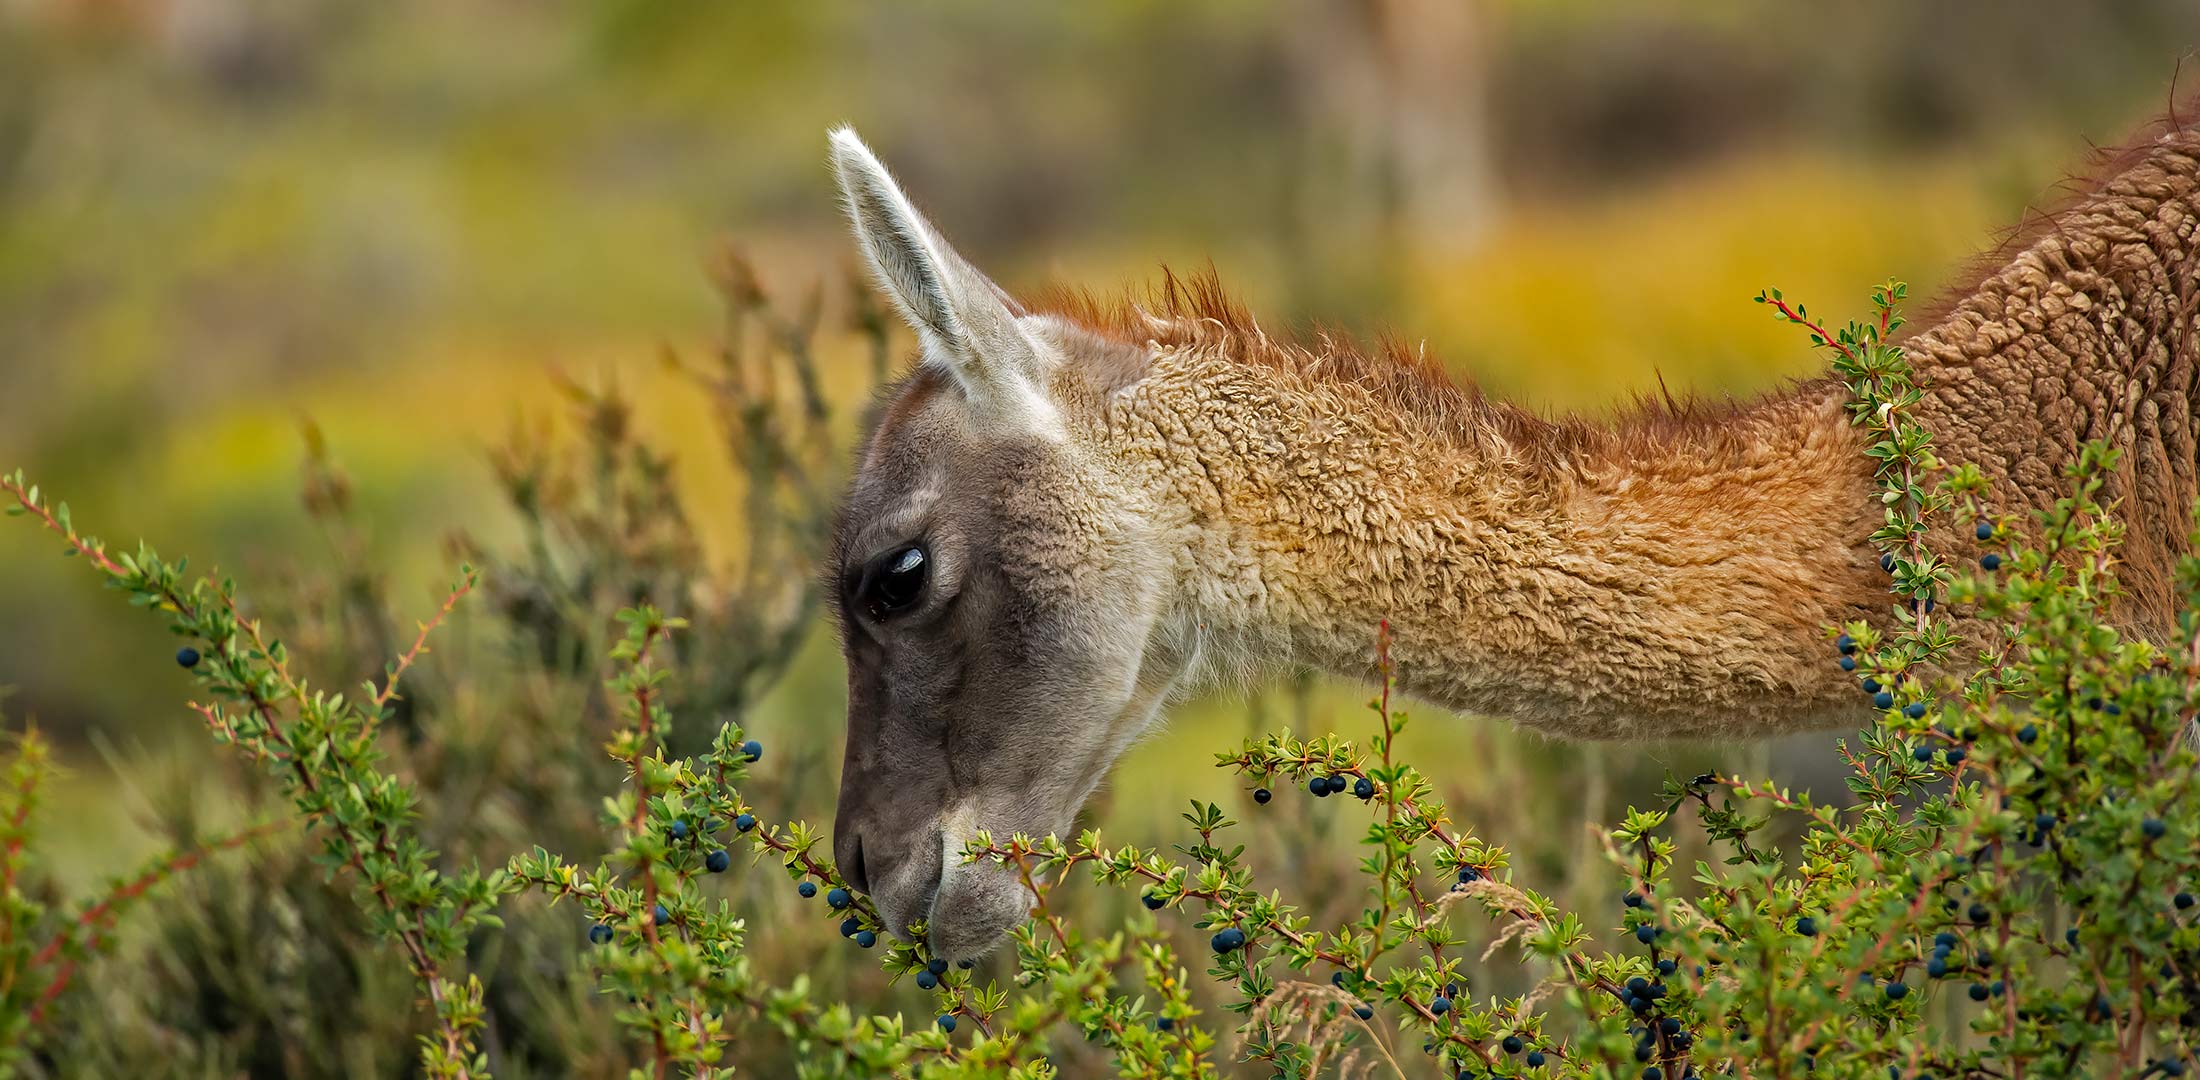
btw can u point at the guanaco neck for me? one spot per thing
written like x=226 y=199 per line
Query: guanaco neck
x=1667 y=577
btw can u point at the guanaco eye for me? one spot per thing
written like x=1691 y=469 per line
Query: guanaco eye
x=895 y=583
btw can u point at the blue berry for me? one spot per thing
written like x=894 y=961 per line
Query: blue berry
x=926 y=980
x=1441 y=1005
x=2044 y=822
x=1896 y=991
x=744 y=822
x=849 y=926
x=1886 y=562
x=2183 y=900
x=1985 y=530
x=1261 y=795
x=1871 y=685
x=717 y=861
x=1468 y=873
x=1978 y=913
x=187 y=657
x=1164 y=1023
x=1318 y=787
x=866 y=938
x=752 y=750
x=1667 y=966
x=1944 y=940
x=1806 y=926
x=1936 y=967
x=1914 y=710
x=661 y=915
x=1978 y=992
x=1227 y=940
x=1990 y=562
x=2155 y=828
x=2071 y=935
x=1922 y=753
x=1646 y=933
x=599 y=934
x=1535 y=1059
x=806 y=890
x=1633 y=899
x=1956 y=754
x=1364 y=789
x=966 y=963
x=1363 y=1012
x=1653 y=1073
x=1671 y=1025
x=1336 y=979
x=947 y=1023
x=1152 y=901
x=1848 y=663
x=1845 y=644
x=679 y=830
x=2028 y=734
x=1512 y=1043
x=936 y=965
x=1883 y=700
x=837 y=898
x=1638 y=986
x=2171 y=1066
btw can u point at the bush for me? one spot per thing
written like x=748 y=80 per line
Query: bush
x=2005 y=893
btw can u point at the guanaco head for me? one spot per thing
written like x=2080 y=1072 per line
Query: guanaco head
x=1002 y=589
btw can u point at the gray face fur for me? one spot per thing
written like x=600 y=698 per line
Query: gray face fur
x=1002 y=595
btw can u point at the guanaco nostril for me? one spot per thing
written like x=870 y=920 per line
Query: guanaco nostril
x=852 y=869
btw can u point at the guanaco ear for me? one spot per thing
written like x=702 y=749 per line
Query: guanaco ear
x=967 y=323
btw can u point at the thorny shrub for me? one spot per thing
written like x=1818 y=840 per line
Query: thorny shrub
x=2004 y=892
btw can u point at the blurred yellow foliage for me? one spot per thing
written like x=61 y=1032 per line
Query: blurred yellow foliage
x=1581 y=306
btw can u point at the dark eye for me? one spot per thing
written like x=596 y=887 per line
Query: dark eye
x=895 y=583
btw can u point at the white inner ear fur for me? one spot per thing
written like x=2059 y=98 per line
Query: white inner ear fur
x=963 y=319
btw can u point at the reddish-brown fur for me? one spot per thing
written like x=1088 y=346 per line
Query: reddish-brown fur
x=1196 y=311
x=2018 y=366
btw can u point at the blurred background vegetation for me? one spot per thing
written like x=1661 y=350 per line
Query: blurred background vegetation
x=403 y=226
